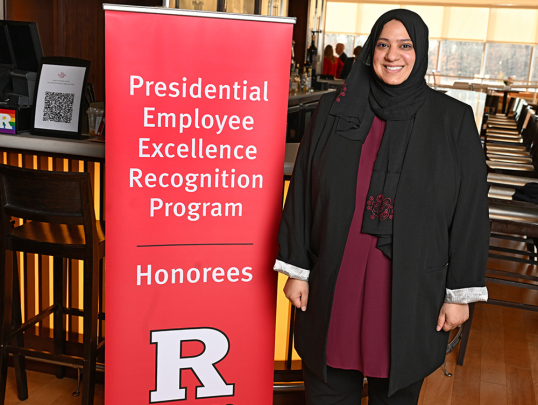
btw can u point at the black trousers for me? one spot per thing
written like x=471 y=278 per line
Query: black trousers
x=344 y=387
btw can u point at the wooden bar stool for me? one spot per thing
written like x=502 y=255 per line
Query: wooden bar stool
x=516 y=221
x=59 y=221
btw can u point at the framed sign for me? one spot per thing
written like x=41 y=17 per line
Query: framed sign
x=195 y=159
x=58 y=99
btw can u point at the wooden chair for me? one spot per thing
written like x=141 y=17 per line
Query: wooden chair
x=512 y=106
x=495 y=124
x=492 y=104
x=59 y=221
x=515 y=155
x=461 y=85
x=499 y=153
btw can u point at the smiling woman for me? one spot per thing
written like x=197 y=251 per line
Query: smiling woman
x=394 y=55
x=378 y=281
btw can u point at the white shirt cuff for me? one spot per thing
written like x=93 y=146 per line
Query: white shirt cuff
x=466 y=295
x=291 y=270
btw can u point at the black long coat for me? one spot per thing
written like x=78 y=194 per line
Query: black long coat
x=440 y=229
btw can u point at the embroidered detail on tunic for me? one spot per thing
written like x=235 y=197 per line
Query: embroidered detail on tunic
x=381 y=207
x=342 y=93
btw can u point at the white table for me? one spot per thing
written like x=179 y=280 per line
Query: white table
x=476 y=100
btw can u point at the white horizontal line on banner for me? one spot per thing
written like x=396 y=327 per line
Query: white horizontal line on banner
x=198 y=244
x=197 y=13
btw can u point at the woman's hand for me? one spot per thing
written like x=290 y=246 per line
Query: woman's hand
x=452 y=316
x=297 y=292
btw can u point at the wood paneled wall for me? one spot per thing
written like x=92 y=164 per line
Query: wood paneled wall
x=299 y=10
x=74 y=28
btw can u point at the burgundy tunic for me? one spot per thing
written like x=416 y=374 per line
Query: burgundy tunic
x=359 y=330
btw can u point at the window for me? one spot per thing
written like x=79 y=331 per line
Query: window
x=460 y=58
x=472 y=44
x=210 y=5
x=504 y=60
x=360 y=40
x=534 y=68
x=433 y=53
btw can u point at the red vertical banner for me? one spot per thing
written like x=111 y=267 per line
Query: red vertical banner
x=196 y=119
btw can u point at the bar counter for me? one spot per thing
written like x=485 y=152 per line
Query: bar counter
x=304 y=98
x=83 y=149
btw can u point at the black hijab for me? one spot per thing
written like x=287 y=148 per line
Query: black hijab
x=365 y=95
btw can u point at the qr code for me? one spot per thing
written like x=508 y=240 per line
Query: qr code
x=58 y=107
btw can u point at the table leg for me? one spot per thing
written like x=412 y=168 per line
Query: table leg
x=505 y=99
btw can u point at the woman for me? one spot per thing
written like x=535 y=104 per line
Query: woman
x=384 y=235
x=357 y=52
x=330 y=63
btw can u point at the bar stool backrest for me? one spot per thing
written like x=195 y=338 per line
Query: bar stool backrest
x=532 y=129
x=492 y=103
x=511 y=105
x=62 y=224
x=520 y=115
x=529 y=131
x=514 y=106
x=54 y=197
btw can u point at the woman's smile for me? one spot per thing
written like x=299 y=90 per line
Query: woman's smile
x=393 y=68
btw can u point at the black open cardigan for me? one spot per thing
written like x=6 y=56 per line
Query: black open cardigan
x=440 y=238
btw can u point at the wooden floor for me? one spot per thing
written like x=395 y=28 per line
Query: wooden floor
x=501 y=367
x=45 y=389
x=501 y=364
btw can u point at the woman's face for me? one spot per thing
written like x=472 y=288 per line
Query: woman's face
x=394 y=55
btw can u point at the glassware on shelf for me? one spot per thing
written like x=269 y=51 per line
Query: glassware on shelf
x=295 y=82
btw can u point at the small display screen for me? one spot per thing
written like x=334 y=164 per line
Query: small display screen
x=20 y=45
x=26 y=46
x=5 y=54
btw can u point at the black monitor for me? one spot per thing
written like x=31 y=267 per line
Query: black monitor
x=5 y=49
x=6 y=63
x=20 y=54
x=24 y=50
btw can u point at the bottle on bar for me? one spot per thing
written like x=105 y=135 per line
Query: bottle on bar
x=295 y=81
x=292 y=67
x=312 y=58
x=304 y=80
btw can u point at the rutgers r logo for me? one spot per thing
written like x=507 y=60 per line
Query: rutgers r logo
x=170 y=362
